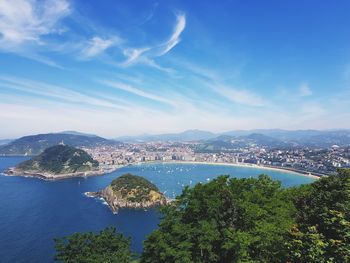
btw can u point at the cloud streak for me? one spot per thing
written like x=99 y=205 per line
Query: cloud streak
x=175 y=37
x=135 y=91
x=240 y=96
x=146 y=55
x=98 y=45
x=133 y=55
x=54 y=92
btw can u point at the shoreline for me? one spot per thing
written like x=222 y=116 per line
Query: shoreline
x=246 y=165
x=52 y=177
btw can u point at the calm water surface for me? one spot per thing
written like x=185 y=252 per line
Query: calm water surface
x=33 y=211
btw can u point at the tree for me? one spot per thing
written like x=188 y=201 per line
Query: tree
x=322 y=232
x=105 y=246
x=225 y=220
x=236 y=220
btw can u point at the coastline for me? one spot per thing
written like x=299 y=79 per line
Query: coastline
x=254 y=166
x=52 y=177
x=47 y=176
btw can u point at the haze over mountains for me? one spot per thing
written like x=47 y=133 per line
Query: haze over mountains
x=188 y=135
x=278 y=137
x=5 y=141
x=206 y=141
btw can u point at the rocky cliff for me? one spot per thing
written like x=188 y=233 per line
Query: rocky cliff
x=131 y=191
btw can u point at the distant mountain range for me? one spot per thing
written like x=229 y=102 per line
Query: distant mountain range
x=189 y=135
x=35 y=144
x=262 y=137
x=207 y=141
x=78 y=133
x=5 y=141
x=229 y=142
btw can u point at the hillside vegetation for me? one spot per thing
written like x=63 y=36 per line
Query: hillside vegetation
x=133 y=188
x=60 y=159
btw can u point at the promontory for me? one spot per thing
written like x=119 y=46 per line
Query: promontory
x=57 y=162
x=131 y=191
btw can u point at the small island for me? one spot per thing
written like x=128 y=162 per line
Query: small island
x=130 y=191
x=58 y=162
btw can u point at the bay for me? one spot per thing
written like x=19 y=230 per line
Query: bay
x=33 y=211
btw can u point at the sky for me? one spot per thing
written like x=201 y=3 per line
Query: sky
x=117 y=67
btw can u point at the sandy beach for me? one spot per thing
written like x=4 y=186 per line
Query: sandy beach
x=46 y=176
x=254 y=166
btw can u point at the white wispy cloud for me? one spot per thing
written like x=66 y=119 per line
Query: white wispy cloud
x=175 y=37
x=150 y=15
x=147 y=54
x=110 y=111
x=54 y=92
x=198 y=70
x=24 y=21
x=135 y=91
x=24 y=24
x=240 y=96
x=98 y=45
x=133 y=55
x=305 y=90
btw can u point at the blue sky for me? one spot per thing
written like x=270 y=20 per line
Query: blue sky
x=129 y=67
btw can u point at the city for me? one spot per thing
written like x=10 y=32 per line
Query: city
x=305 y=160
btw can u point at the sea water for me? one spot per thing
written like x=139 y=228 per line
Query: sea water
x=33 y=212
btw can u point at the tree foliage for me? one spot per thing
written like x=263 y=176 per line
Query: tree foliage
x=322 y=232
x=226 y=220
x=132 y=187
x=105 y=246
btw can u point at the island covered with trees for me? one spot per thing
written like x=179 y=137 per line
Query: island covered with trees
x=56 y=162
x=131 y=191
x=237 y=220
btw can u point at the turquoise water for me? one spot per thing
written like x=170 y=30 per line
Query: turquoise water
x=33 y=211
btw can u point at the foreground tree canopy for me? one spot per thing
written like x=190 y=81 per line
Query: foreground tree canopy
x=238 y=220
x=226 y=220
x=106 y=246
x=322 y=232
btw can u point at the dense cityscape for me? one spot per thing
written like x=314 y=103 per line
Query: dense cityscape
x=302 y=159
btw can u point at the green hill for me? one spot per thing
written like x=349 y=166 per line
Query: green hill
x=59 y=159
x=36 y=144
x=133 y=187
x=131 y=191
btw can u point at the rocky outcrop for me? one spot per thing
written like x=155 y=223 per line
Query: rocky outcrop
x=141 y=194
